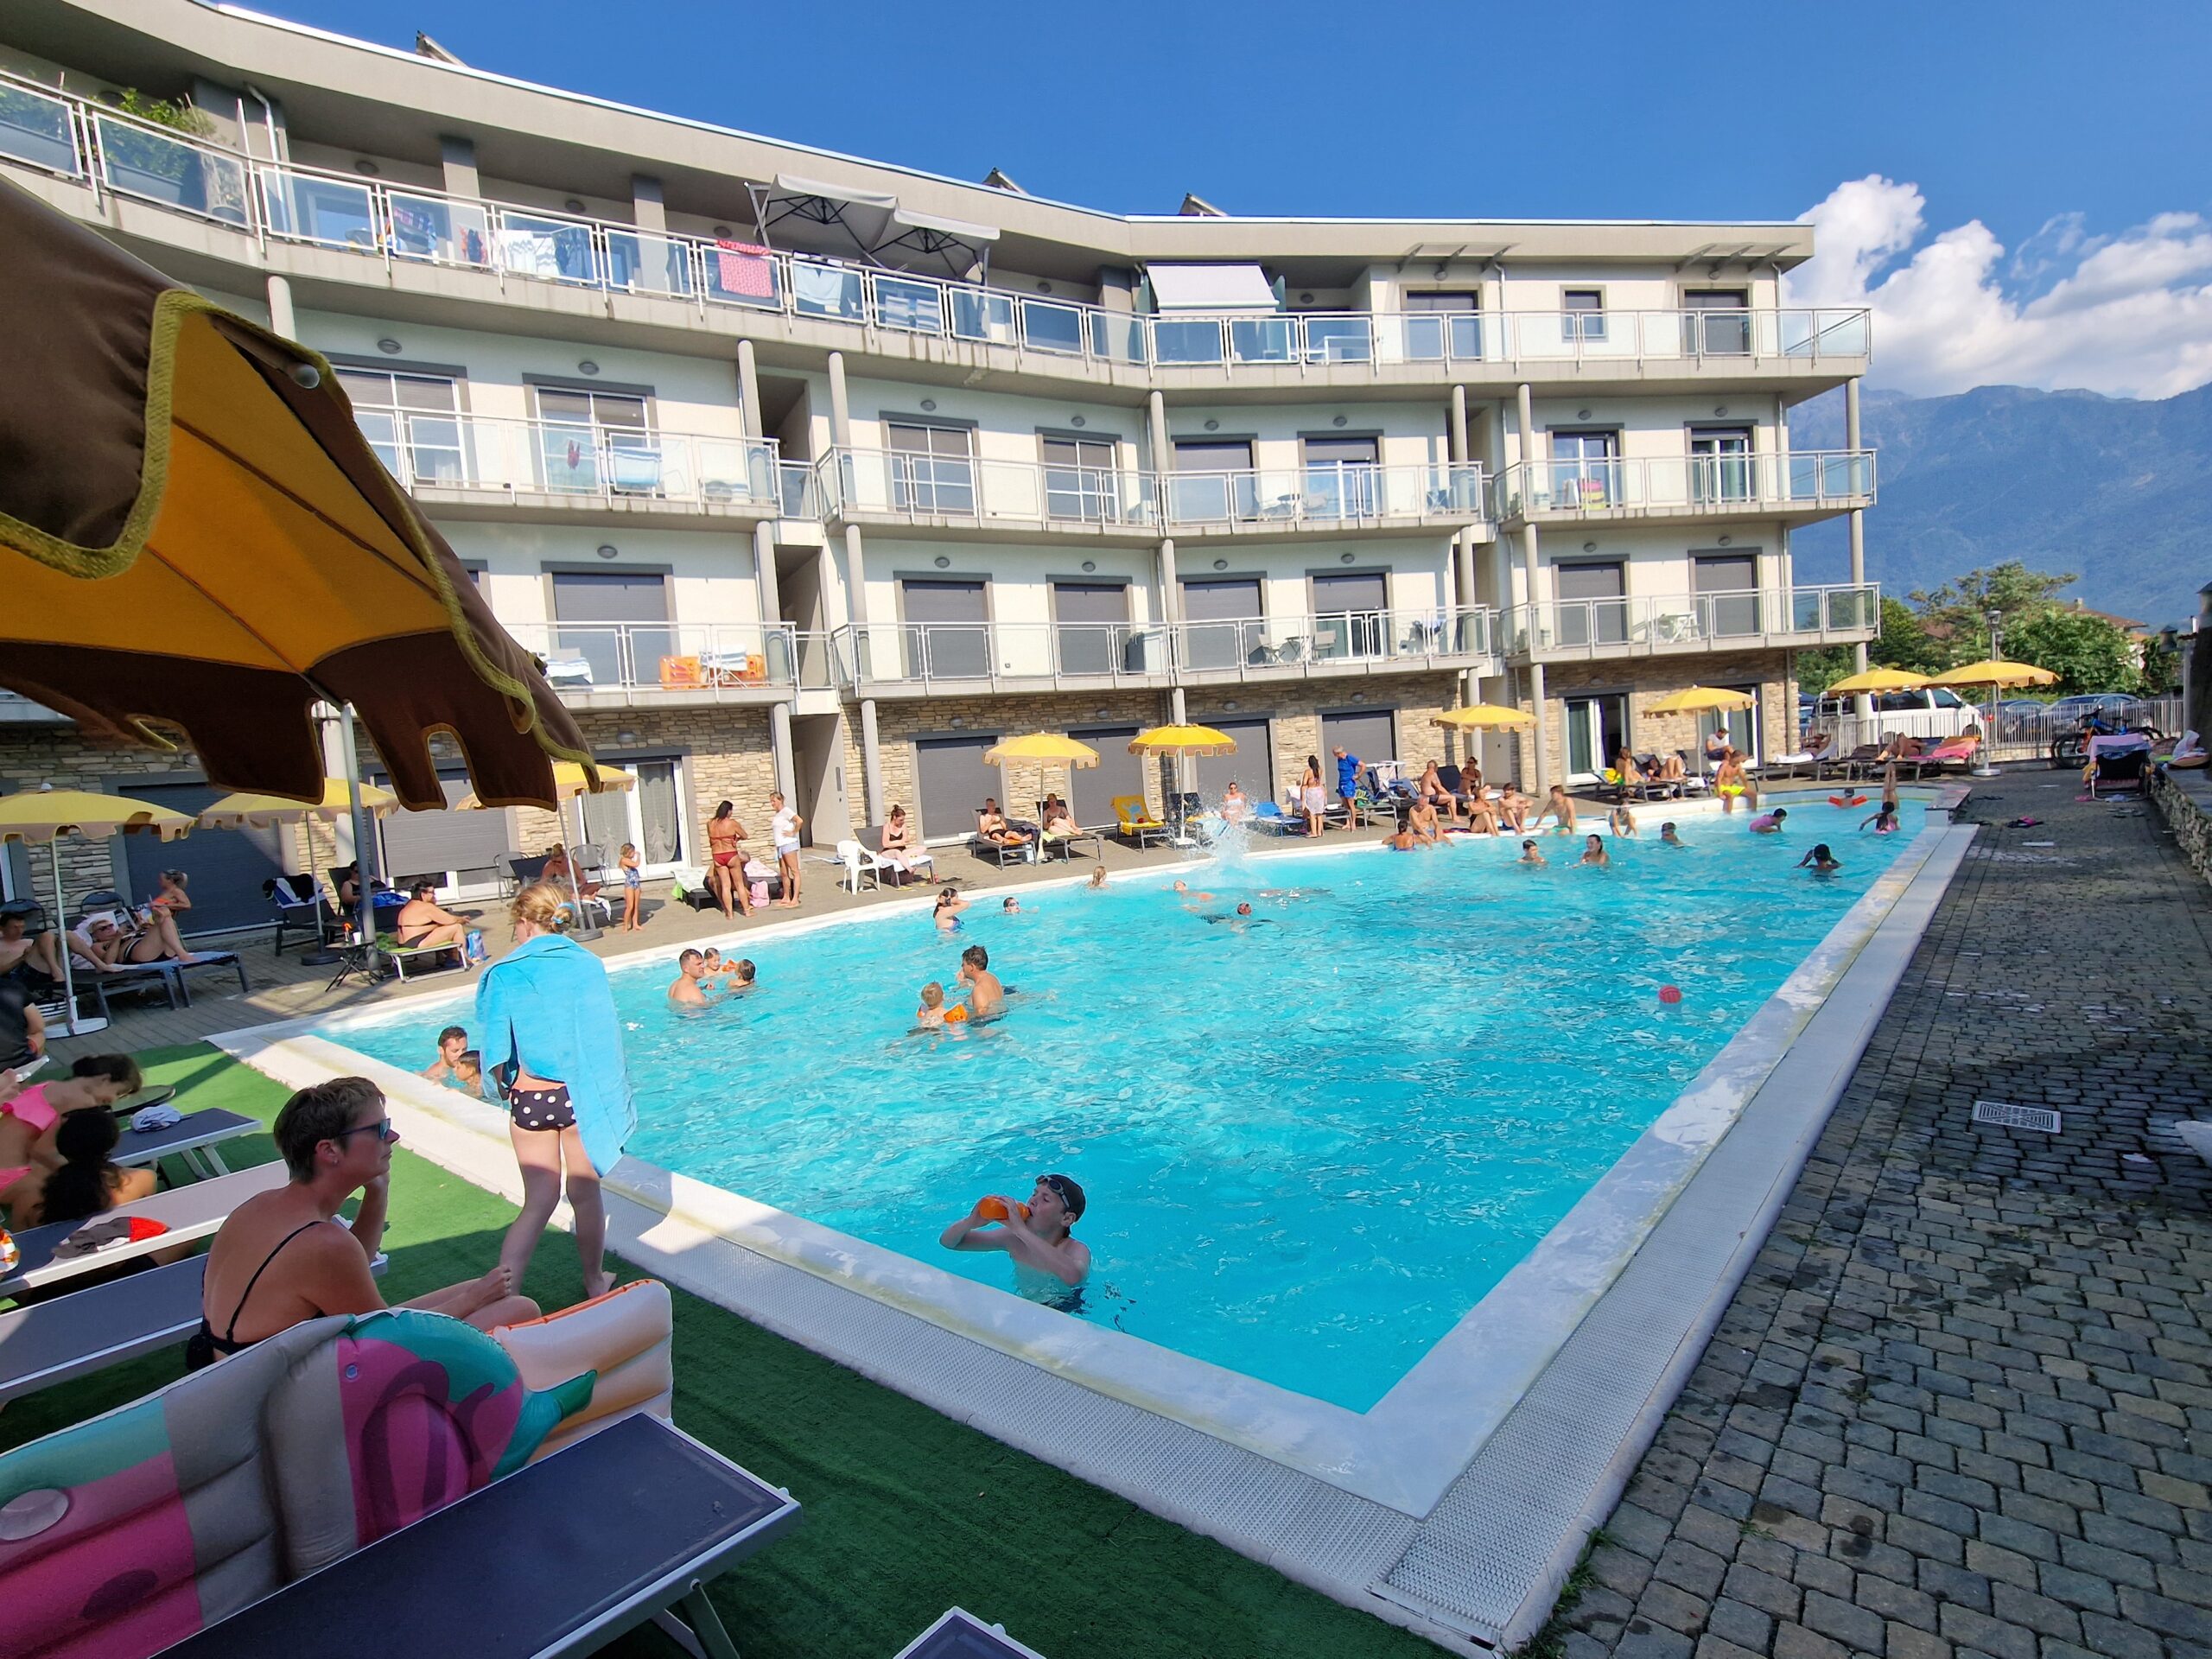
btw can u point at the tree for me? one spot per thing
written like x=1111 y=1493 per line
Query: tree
x=1903 y=643
x=2086 y=652
x=1959 y=610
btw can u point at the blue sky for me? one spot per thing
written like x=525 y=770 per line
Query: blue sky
x=2057 y=131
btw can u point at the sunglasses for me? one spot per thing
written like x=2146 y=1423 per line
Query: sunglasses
x=381 y=1128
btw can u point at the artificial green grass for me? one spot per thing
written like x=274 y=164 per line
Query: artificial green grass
x=907 y=1513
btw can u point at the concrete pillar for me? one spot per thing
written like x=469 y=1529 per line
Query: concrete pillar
x=841 y=411
x=1863 y=706
x=1171 y=598
x=763 y=573
x=1525 y=420
x=1540 y=764
x=871 y=762
x=1176 y=710
x=748 y=391
x=646 y=210
x=779 y=742
x=459 y=157
x=1163 y=451
x=282 y=318
x=1463 y=542
x=855 y=577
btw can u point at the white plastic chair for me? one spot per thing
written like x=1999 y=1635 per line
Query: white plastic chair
x=858 y=861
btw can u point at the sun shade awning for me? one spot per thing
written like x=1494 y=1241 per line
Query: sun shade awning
x=194 y=531
x=1211 y=288
x=814 y=189
x=879 y=229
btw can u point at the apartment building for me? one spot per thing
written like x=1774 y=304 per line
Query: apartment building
x=808 y=472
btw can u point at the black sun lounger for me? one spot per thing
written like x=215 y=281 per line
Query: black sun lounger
x=90 y=1330
x=561 y=1557
x=961 y=1635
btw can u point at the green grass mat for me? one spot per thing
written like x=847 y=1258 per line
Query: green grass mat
x=906 y=1512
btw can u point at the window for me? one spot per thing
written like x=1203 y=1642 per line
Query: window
x=1216 y=483
x=1341 y=478
x=411 y=420
x=1080 y=480
x=931 y=470
x=1443 y=324
x=1585 y=309
x=592 y=442
x=1592 y=605
x=1717 y=323
x=1584 y=470
x=1727 y=588
x=610 y=628
x=1720 y=465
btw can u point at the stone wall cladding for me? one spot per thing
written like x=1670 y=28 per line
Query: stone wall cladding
x=2184 y=800
x=1646 y=679
x=69 y=758
x=1294 y=716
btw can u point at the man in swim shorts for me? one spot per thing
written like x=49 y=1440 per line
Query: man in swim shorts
x=1819 y=861
x=1770 y=824
x=690 y=971
x=453 y=1042
x=1038 y=1240
x=986 y=997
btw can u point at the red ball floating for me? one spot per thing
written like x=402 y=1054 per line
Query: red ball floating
x=1670 y=994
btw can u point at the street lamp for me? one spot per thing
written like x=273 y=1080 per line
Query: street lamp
x=1995 y=618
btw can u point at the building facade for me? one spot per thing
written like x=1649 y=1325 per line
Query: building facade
x=807 y=472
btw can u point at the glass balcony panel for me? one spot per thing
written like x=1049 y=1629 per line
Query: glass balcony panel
x=1731 y=616
x=1117 y=338
x=941 y=485
x=953 y=650
x=434 y=450
x=141 y=162
x=1091 y=647
x=738 y=273
x=910 y=307
x=551 y=249
x=329 y=213
x=1191 y=341
x=820 y=290
x=568 y=459
x=1052 y=328
x=979 y=315
x=643 y=263
x=1337 y=339
x=37 y=129
x=1262 y=340
x=438 y=231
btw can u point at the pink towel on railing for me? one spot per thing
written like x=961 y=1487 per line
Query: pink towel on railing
x=745 y=270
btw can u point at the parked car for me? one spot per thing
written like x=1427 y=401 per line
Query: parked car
x=1932 y=711
x=2113 y=708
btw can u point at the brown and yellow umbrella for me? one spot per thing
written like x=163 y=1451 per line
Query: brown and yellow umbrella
x=194 y=531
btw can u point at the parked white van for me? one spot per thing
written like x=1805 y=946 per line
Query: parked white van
x=1932 y=711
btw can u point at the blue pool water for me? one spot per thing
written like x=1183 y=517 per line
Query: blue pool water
x=1310 y=1146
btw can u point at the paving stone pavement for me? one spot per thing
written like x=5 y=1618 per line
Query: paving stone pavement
x=1963 y=1405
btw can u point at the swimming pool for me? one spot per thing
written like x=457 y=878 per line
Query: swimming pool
x=1311 y=1144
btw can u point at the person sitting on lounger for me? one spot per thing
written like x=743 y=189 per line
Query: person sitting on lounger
x=688 y=990
x=453 y=1043
x=1626 y=771
x=87 y=1182
x=1235 y=805
x=1594 y=852
x=169 y=893
x=107 y=944
x=1038 y=1240
x=284 y=1257
x=22 y=1027
x=1819 y=861
x=35 y=958
x=899 y=847
x=1058 y=822
x=1530 y=855
x=986 y=997
x=991 y=825
x=560 y=869
x=424 y=925
x=1670 y=769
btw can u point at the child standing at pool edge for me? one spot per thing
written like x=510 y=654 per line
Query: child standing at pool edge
x=634 y=890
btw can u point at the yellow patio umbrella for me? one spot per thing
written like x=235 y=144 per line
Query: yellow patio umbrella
x=47 y=814
x=1178 y=741
x=570 y=782
x=1039 y=749
x=1485 y=717
x=1701 y=700
x=1877 y=679
x=1994 y=672
x=250 y=811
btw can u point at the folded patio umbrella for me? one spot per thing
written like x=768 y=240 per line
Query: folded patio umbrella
x=194 y=531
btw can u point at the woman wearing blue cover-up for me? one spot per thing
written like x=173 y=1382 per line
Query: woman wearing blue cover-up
x=552 y=1048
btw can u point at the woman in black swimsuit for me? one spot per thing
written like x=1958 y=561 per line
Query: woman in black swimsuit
x=422 y=925
x=284 y=1256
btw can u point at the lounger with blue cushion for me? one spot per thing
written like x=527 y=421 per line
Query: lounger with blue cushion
x=1271 y=818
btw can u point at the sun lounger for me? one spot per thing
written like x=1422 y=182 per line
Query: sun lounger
x=1132 y=821
x=960 y=1635
x=1003 y=853
x=186 y=1213
x=2117 y=763
x=1270 y=817
x=1957 y=752
x=561 y=1557
x=300 y=908
x=193 y=1138
x=431 y=958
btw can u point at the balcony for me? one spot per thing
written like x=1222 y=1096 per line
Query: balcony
x=930 y=658
x=1754 y=619
x=1800 y=485
x=817 y=300
x=658 y=664
x=1324 y=498
x=980 y=496
x=453 y=464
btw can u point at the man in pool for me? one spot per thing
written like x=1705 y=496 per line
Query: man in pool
x=1038 y=1241
x=1011 y=907
x=1770 y=824
x=1819 y=861
x=1243 y=919
x=1668 y=837
x=686 y=992
x=986 y=997
x=1530 y=855
x=1182 y=891
x=453 y=1042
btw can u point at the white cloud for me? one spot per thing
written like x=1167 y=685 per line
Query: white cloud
x=2130 y=315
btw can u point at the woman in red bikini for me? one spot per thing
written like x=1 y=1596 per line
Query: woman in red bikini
x=28 y=1120
x=725 y=860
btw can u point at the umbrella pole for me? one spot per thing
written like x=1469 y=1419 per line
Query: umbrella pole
x=583 y=929
x=77 y=1027
x=1986 y=761
x=322 y=956
x=365 y=915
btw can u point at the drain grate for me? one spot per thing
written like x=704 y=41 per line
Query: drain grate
x=2006 y=1115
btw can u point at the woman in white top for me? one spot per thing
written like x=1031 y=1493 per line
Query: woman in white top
x=785 y=831
x=1235 y=808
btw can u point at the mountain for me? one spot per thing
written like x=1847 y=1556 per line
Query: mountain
x=2117 y=489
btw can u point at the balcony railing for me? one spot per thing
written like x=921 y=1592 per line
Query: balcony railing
x=1331 y=495
x=1692 y=622
x=574 y=462
x=979 y=654
x=923 y=488
x=72 y=137
x=1795 y=481
x=713 y=658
